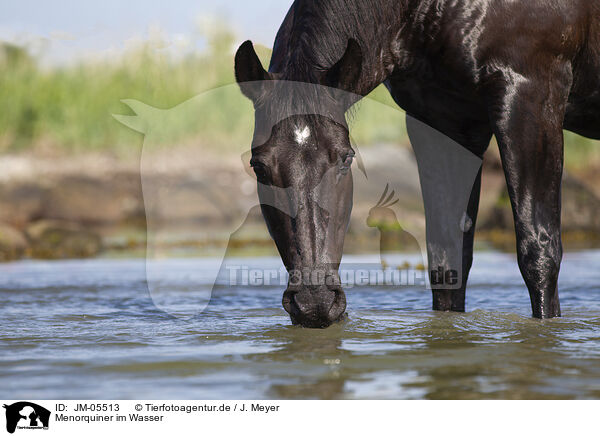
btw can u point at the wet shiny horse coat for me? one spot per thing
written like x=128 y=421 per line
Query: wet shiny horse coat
x=520 y=70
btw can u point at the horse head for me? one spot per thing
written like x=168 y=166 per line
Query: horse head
x=301 y=143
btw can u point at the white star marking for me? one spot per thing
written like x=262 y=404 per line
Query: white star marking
x=301 y=135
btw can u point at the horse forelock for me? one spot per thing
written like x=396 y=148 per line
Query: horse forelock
x=284 y=99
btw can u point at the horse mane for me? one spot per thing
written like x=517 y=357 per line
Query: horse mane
x=311 y=39
x=315 y=34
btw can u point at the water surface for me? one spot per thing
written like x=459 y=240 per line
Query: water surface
x=89 y=329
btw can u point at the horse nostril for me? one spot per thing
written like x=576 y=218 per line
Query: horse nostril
x=288 y=301
x=338 y=309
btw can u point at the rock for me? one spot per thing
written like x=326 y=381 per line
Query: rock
x=12 y=243
x=91 y=200
x=580 y=209
x=52 y=239
x=493 y=187
x=580 y=206
x=21 y=202
x=499 y=216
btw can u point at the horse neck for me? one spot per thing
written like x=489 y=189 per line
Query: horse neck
x=315 y=34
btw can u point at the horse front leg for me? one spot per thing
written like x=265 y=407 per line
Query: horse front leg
x=450 y=177
x=454 y=299
x=528 y=126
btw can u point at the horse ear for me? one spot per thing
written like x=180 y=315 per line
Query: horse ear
x=345 y=73
x=248 y=69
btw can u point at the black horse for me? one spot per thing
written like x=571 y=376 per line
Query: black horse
x=519 y=70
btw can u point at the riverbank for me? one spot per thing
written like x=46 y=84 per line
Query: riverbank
x=92 y=204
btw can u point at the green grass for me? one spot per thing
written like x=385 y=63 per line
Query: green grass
x=70 y=108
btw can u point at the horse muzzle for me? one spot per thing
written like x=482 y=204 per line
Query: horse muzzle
x=315 y=306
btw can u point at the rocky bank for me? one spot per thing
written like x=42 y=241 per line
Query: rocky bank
x=82 y=206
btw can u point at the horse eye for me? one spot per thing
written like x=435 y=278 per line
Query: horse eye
x=259 y=169
x=346 y=163
x=347 y=160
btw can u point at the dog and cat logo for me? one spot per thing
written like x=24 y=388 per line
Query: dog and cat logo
x=26 y=415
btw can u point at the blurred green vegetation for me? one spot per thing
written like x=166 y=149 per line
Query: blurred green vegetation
x=69 y=108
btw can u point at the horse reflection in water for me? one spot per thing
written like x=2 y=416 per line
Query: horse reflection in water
x=325 y=381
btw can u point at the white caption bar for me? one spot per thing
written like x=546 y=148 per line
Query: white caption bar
x=264 y=417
